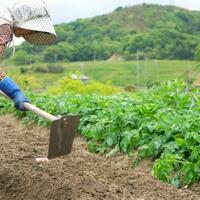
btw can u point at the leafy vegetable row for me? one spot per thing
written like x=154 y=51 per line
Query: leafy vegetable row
x=162 y=124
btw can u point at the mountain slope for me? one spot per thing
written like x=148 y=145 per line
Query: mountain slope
x=163 y=32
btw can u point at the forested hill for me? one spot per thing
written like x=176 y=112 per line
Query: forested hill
x=163 y=32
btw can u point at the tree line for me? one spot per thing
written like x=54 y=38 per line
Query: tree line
x=158 y=32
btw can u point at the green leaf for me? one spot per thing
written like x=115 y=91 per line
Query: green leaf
x=109 y=141
x=188 y=172
x=175 y=181
x=143 y=151
x=180 y=142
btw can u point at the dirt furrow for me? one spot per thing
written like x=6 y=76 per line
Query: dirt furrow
x=79 y=176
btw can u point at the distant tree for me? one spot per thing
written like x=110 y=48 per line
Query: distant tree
x=197 y=53
x=21 y=58
x=118 y=9
x=162 y=32
x=50 y=54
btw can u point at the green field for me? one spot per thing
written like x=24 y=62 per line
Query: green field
x=123 y=73
x=161 y=124
x=155 y=124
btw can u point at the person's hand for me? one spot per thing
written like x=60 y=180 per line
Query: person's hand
x=11 y=89
x=19 y=99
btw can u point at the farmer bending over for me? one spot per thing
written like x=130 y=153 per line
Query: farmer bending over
x=31 y=20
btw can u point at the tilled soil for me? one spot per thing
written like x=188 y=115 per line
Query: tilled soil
x=79 y=176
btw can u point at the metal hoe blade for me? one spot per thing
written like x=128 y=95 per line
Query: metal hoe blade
x=62 y=134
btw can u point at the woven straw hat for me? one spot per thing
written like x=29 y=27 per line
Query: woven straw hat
x=34 y=15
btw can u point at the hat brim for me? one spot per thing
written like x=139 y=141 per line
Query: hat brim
x=44 y=31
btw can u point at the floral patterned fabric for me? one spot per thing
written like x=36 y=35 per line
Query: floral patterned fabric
x=5 y=37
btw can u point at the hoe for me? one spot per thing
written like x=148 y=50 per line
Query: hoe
x=62 y=131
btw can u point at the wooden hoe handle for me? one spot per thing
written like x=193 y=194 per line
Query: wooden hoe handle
x=35 y=110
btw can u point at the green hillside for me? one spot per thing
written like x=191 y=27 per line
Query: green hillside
x=161 y=32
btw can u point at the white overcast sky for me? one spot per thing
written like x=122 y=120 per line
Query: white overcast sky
x=70 y=10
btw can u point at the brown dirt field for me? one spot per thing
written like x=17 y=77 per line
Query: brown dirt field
x=79 y=176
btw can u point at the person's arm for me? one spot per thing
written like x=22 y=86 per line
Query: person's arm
x=5 y=37
x=7 y=85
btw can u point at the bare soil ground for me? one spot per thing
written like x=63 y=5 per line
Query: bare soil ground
x=79 y=176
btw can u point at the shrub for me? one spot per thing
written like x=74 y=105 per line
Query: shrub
x=50 y=68
x=77 y=86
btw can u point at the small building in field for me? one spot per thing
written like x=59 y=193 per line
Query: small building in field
x=116 y=57
x=196 y=83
